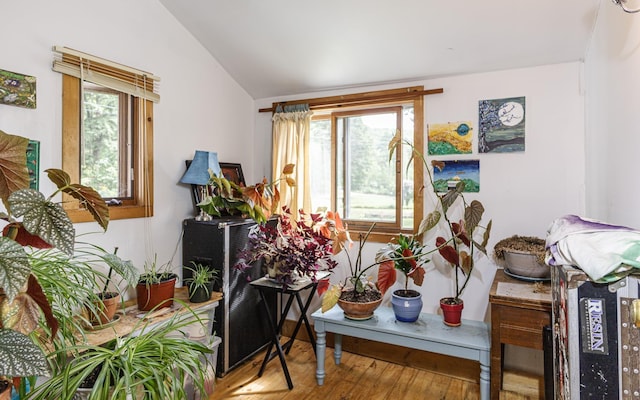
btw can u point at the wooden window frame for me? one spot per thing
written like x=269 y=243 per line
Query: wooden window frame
x=384 y=98
x=141 y=205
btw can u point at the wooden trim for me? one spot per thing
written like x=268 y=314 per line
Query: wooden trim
x=359 y=99
x=70 y=133
x=418 y=166
x=142 y=204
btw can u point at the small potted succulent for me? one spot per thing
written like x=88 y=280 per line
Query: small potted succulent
x=200 y=283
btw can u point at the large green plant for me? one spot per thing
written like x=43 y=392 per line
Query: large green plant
x=152 y=365
x=34 y=221
x=70 y=284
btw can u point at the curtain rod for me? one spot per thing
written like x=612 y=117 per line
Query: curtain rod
x=335 y=101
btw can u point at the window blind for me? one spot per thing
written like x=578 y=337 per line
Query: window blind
x=106 y=73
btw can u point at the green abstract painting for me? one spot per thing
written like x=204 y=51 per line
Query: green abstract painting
x=17 y=89
x=33 y=163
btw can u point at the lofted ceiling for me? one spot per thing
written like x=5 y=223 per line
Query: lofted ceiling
x=285 y=47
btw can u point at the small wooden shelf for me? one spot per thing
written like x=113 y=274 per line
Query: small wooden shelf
x=134 y=320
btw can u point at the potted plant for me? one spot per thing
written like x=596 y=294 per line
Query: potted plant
x=522 y=257
x=133 y=367
x=292 y=250
x=5 y=388
x=357 y=295
x=458 y=241
x=44 y=224
x=106 y=302
x=407 y=256
x=156 y=286
x=259 y=201
x=200 y=283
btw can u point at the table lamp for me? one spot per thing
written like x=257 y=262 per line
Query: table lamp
x=198 y=174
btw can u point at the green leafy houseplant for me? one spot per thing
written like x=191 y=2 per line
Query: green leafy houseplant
x=156 y=286
x=152 y=365
x=406 y=255
x=44 y=224
x=357 y=295
x=457 y=240
x=200 y=283
x=259 y=201
x=106 y=302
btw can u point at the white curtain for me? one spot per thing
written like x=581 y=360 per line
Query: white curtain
x=291 y=146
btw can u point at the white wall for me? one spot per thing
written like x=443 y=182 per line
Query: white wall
x=613 y=120
x=201 y=107
x=522 y=192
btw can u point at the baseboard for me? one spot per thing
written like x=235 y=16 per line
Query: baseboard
x=454 y=367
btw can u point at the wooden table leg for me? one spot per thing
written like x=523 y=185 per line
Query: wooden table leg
x=496 y=354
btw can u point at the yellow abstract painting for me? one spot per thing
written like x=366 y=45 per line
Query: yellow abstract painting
x=450 y=138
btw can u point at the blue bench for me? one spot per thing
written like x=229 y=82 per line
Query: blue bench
x=469 y=341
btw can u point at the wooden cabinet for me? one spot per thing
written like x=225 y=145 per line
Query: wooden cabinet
x=519 y=312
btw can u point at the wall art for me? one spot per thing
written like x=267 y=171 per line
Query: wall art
x=33 y=164
x=450 y=138
x=233 y=173
x=450 y=171
x=17 y=89
x=502 y=124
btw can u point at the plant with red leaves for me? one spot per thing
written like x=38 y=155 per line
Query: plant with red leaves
x=458 y=243
x=407 y=255
x=301 y=247
x=44 y=224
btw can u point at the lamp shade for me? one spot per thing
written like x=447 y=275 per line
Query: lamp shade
x=198 y=171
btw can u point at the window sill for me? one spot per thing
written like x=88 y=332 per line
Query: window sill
x=119 y=212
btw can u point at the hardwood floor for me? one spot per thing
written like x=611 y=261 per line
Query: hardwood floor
x=356 y=378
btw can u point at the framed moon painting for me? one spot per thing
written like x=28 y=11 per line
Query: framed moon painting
x=501 y=125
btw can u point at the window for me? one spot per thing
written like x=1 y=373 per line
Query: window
x=106 y=156
x=107 y=133
x=349 y=164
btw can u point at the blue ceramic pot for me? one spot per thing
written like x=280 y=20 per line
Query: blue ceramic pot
x=407 y=305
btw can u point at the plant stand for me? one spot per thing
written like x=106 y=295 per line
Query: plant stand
x=264 y=286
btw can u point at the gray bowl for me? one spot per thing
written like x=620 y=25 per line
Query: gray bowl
x=525 y=264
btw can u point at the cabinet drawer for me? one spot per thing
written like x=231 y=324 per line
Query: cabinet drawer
x=523 y=327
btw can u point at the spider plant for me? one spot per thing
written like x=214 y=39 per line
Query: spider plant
x=152 y=365
x=200 y=283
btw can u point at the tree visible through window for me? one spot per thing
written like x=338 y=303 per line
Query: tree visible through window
x=103 y=165
x=107 y=132
x=363 y=185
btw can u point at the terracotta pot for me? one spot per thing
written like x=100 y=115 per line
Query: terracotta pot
x=406 y=304
x=359 y=311
x=451 y=310
x=158 y=294
x=6 y=393
x=106 y=307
